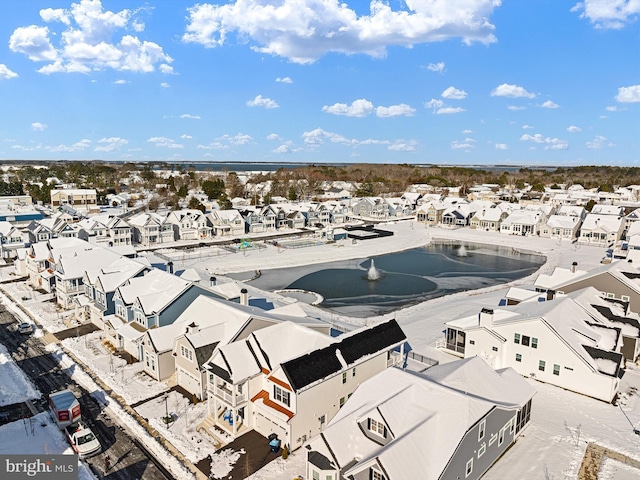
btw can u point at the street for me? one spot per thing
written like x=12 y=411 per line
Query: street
x=128 y=458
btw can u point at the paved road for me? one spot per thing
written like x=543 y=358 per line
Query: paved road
x=129 y=459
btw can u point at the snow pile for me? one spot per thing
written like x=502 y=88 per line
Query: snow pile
x=16 y=388
x=222 y=462
x=611 y=469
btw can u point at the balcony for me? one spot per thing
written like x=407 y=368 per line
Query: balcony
x=228 y=396
x=394 y=359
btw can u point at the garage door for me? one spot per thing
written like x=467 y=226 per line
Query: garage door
x=265 y=427
x=188 y=382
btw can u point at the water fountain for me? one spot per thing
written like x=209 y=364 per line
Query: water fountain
x=373 y=273
x=462 y=251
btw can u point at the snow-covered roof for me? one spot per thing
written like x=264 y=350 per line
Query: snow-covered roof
x=75 y=264
x=428 y=415
x=154 y=290
x=602 y=222
x=559 y=276
x=563 y=221
x=132 y=331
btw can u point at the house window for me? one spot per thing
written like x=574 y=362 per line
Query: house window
x=482 y=429
x=516 y=338
x=534 y=342
x=541 y=365
x=341 y=402
x=153 y=364
x=501 y=436
x=525 y=340
x=472 y=342
x=556 y=369
x=375 y=475
x=186 y=353
x=377 y=427
x=495 y=349
x=482 y=449
x=315 y=475
x=511 y=425
x=469 y=468
x=353 y=372
x=624 y=298
x=281 y=395
x=344 y=377
x=518 y=357
x=322 y=419
x=146 y=356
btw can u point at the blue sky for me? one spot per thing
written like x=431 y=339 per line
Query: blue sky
x=468 y=82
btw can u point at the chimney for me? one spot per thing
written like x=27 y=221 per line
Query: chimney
x=213 y=281
x=551 y=294
x=170 y=267
x=192 y=328
x=486 y=317
x=574 y=267
x=244 y=297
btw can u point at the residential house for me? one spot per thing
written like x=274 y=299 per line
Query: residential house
x=38 y=266
x=374 y=208
x=458 y=215
x=431 y=212
x=254 y=223
x=153 y=300
x=269 y=215
x=523 y=222
x=290 y=381
x=562 y=227
x=151 y=229
x=45 y=229
x=449 y=422
x=10 y=240
x=601 y=230
x=227 y=223
x=488 y=219
x=554 y=342
x=189 y=224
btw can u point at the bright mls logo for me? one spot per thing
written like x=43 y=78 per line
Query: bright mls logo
x=50 y=467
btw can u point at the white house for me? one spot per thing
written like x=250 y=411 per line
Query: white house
x=601 y=229
x=452 y=421
x=290 y=380
x=552 y=341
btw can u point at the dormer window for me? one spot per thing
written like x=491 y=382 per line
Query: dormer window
x=377 y=427
x=281 y=395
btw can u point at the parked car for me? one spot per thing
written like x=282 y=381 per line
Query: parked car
x=25 y=327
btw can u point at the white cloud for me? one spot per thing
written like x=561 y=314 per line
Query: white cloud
x=318 y=136
x=213 y=146
x=184 y=136
x=260 y=101
x=165 y=142
x=436 y=67
x=164 y=85
x=466 y=131
x=89 y=41
x=449 y=110
x=608 y=13
x=120 y=82
x=190 y=117
x=599 y=142
x=38 y=126
x=550 y=143
x=76 y=147
x=110 y=144
x=466 y=145
x=274 y=136
x=613 y=108
x=516 y=108
x=395 y=111
x=501 y=146
x=573 y=129
x=629 y=94
x=453 y=93
x=284 y=80
x=526 y=127
x=304 y=31
x=549 y=104
x=434 y=103
x=511 y=91
x=237 y=139
x=403 y=146
x=358 y=108
x=5 y=73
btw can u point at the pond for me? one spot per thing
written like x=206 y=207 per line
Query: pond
x=377 y=285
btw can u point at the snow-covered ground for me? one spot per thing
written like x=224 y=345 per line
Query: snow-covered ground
x=15 y=387
x=549 y=449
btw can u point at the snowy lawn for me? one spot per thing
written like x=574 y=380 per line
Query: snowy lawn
x=15 y=386
x=127 y=380
x=182 y=431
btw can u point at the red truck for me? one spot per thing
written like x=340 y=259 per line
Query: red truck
x=66 y=412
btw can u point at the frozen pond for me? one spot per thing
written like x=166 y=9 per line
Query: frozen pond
x=403 y=278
